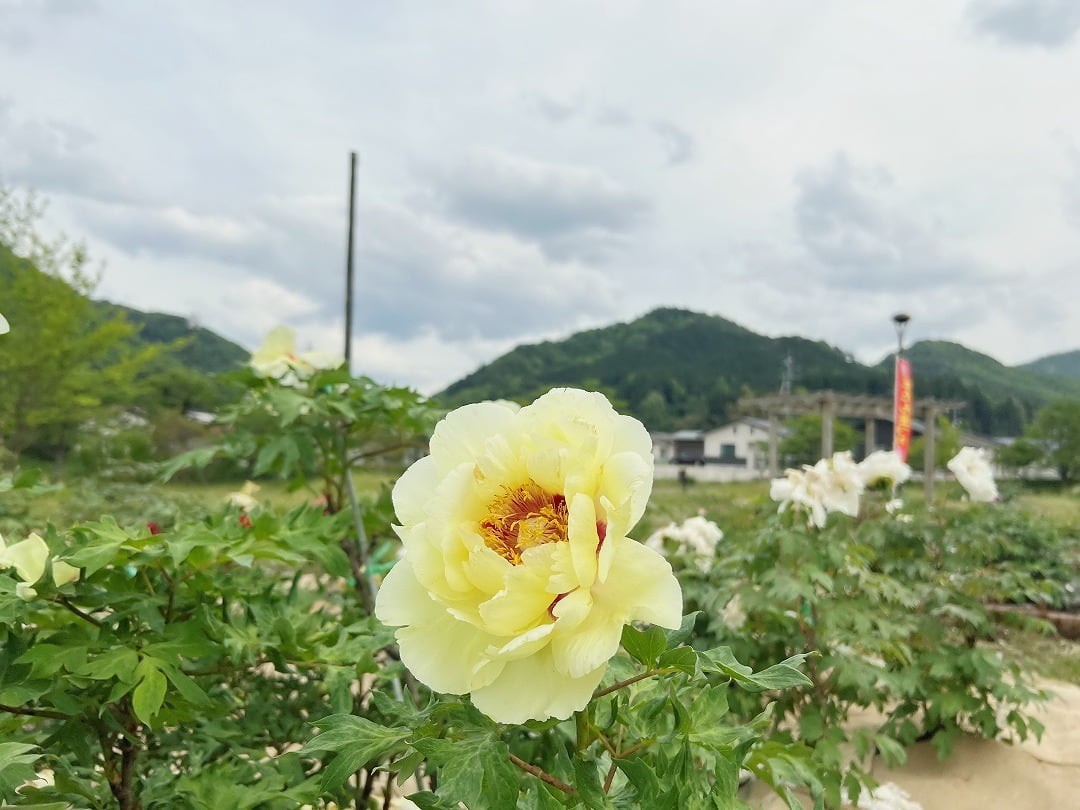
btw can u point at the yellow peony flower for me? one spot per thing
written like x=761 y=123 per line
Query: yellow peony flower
x=518 y=574
x=27 y=557
x=277 y=358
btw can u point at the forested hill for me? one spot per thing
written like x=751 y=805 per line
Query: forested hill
x=202 y=350
x=674 y=368
x=1066 y=364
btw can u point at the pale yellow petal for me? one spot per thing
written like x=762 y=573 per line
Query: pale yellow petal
x=584 y=539
x=522 y=605
x=28 y=558
x=590 y=644
x=444 y=653
x=25 y=591
x=413 y=490
x=63 y=573
x=460 y=437
x=530 y=689
x=627 y=477
x=641 y=586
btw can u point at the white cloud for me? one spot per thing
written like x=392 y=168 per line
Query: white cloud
x=563 y=165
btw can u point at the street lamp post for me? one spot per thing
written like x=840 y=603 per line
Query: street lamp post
x=900 y=321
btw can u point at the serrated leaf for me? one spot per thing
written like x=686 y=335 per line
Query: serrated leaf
x=356 y=740
x=587 y=781
x=476 y=770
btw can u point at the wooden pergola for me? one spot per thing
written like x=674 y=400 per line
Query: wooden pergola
x=831 y=405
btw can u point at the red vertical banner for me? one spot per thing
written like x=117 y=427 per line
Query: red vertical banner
x=903 y=407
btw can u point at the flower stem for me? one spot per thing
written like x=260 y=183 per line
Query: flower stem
x=615 y=687
x=584 y=736
x=542 y=775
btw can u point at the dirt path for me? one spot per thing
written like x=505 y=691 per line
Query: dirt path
x=990 y=775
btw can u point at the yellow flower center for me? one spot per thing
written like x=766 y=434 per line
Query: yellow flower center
x=522 y=517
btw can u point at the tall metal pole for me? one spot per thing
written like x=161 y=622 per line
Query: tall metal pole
x=349 y=262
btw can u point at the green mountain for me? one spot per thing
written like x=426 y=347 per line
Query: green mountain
x=674 y=368
x=1066 y=364
x=200 y=349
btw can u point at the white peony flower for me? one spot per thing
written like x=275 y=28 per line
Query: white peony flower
x=894 y=505
x=278 y=359
x=5 y=327
x=972 y=469
x=883 y=467
x=733 y=615
x=518 y=573
x=803 y=490
x=842 y=484
x=697 y=535
x=888 y=796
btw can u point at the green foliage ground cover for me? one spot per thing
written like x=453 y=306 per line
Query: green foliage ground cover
x=232 y=657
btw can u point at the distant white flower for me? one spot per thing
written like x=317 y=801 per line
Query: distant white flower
x=733 y=614
x=278 y=359
x=883 y=467
x=5 y=327
x=245 y=497
x=698 y=535
x=801 y=490
x=895 y=505
x=888 y=796
x=905 y=518
x=843 y=484
x=972 y=469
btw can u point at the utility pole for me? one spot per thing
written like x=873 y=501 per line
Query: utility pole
x=349 y=262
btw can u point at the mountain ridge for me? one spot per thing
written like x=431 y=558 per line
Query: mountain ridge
x=677 y=368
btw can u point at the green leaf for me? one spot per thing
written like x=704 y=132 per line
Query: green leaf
x=16 y=760
x=587 y=782
x=357 y=741
x=476 y=770
x=644 y=646
x=119 y=663
x=681 y=658
x=149 y=694
x=891 y=750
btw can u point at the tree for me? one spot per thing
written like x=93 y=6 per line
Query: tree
x=946 y=445
x=1057 y=427
x=64 y=362
x=803 y=446
x=1021 y=453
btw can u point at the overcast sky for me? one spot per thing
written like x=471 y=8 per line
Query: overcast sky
x=528 y=169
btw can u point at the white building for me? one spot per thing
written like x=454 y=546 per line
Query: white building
x=742 y=443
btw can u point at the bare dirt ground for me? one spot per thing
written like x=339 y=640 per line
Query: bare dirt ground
x=991 y=775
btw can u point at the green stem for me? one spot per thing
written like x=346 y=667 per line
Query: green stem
x=584 y=736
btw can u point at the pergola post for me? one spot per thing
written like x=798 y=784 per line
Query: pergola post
x=774 y=446
x=871 y=435
x=929 y=454
x=828 y=413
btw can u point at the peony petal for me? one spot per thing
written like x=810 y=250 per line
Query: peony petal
x=530 y=689
x=521 y=606
x=641 y=586
x=590 y=644
x=414 y=489
x=584 y=540
x=4 y=326
x=24 y=591
x=28 y=558
x=446 y=654
x=64 y=573
x=459 y=438
x=627 y=476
